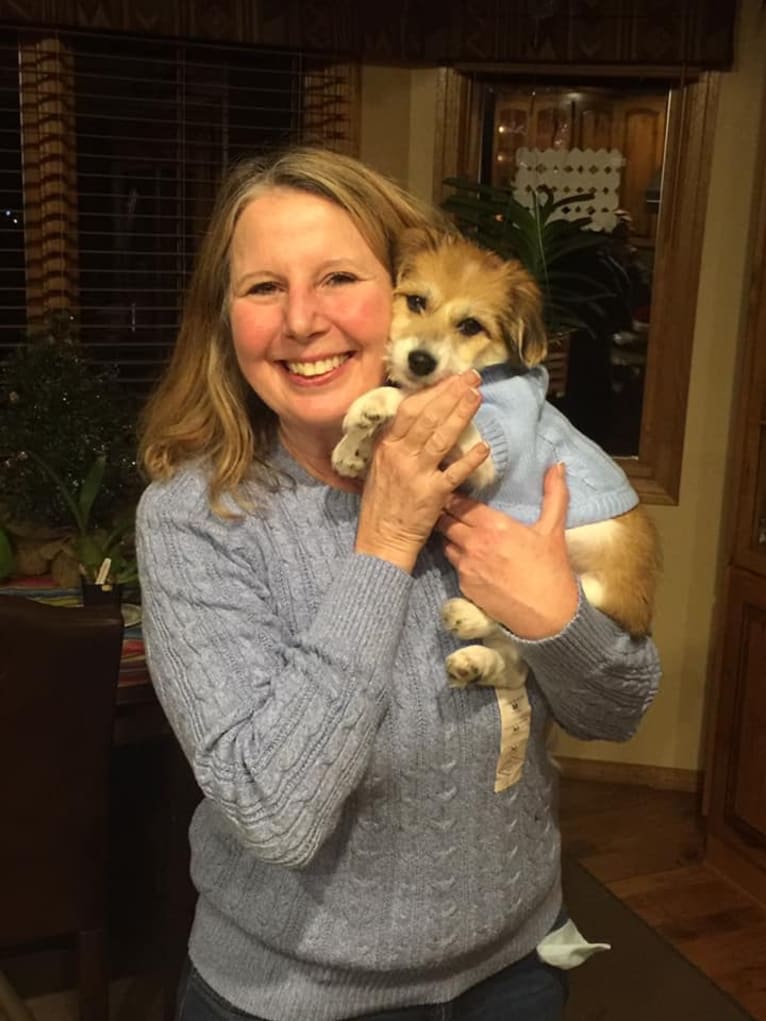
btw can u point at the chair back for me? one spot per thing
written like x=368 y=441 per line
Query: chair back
x=59 y=668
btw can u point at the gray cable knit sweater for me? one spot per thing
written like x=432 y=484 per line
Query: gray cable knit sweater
x=350 y=853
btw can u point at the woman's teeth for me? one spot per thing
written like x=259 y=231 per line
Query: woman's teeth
x=316 y=368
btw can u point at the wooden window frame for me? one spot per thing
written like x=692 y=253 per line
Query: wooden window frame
x=656 y=471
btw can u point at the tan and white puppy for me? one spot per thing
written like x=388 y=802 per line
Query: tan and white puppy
x=457 y=306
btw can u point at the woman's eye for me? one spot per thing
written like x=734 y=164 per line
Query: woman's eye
x=469 y=327
x=416 y=302
x=337 y=279
x=264 y=287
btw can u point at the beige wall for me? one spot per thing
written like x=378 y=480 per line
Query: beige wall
x=397 y=123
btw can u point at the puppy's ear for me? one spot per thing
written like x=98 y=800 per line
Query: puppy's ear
x=414 y=240
x=523 y=317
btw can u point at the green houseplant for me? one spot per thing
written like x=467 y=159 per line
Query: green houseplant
x=66 y=441
x=91 y=546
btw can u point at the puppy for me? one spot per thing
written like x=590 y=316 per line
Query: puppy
x=457 y=306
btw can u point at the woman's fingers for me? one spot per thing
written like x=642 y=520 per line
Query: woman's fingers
x=553 y=513
x=437 y=414
x=459 y=471
x=518 y=574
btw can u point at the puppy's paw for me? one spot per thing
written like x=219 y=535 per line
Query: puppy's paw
x=484 y=475
x=475 y=664
x=466 y=620
x=371 y=410
x=352 y=455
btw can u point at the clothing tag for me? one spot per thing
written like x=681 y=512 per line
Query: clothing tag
x=567 y=947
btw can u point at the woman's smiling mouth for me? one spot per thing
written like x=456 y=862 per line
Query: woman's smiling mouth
x=316 y=367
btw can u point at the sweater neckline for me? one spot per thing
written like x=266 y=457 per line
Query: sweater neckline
x=340 y=499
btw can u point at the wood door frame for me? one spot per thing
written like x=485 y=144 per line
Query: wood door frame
x=656 y=471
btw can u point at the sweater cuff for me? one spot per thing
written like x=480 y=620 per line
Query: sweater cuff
x=492 y=432
x=363 y=611
x=578 y=649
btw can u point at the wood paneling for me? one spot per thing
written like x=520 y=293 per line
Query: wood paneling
x=546 y=118
x=736 y=780
x=696 y=33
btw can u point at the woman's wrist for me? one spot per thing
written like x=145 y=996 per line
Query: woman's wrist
x=535 y=624
x=394 y=553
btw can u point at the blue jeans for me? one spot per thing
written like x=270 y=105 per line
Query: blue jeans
x=526 y=991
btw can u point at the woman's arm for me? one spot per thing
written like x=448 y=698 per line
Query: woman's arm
x=598 y=680
x=277 y=726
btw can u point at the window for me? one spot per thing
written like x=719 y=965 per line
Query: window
x=111 y=148
x=609 y=141
x=669 y=124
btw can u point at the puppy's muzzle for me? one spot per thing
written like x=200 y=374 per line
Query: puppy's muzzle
x=421 y=363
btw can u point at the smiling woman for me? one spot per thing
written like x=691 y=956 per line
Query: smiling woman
x=295 y=644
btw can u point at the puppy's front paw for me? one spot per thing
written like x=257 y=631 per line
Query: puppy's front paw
x=371 y=410
x=352 y=455
x=476 y=664
x=466 y=620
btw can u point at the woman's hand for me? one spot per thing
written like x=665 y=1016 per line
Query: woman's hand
x=406 y=487
x=517 y=574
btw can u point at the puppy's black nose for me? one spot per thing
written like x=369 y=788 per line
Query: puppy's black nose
x=421 y=363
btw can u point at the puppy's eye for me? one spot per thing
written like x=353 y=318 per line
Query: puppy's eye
x=469 y=327
x=416 y=302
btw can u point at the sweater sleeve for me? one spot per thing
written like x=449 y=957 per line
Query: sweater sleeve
x=598 y=680
x=278 y=727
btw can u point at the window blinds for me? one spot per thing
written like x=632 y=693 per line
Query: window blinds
x=111 y=149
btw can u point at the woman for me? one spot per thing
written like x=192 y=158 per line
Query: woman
x=351 y=857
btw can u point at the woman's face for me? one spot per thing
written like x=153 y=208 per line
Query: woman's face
x=310 y=307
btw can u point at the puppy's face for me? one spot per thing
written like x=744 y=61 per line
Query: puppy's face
x=457 y=307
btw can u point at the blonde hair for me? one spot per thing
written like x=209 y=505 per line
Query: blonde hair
x=203 y=408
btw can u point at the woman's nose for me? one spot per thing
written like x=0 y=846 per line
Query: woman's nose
x=303 y=315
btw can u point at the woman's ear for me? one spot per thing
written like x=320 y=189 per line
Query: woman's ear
x=523 y=317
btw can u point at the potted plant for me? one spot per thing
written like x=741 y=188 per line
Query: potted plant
x=67 y=463
x=104 y=556
x=571 y=263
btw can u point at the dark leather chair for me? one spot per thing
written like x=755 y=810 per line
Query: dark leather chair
x=58 y=678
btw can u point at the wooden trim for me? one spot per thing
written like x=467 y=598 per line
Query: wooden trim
x=458 y=129
x=565 y=72
x=665 y=778
x=656 y=472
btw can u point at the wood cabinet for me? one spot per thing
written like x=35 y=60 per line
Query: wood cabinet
x=736 y=773
x=550 y=118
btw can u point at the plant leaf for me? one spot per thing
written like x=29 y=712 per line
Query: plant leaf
x=89 y=490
